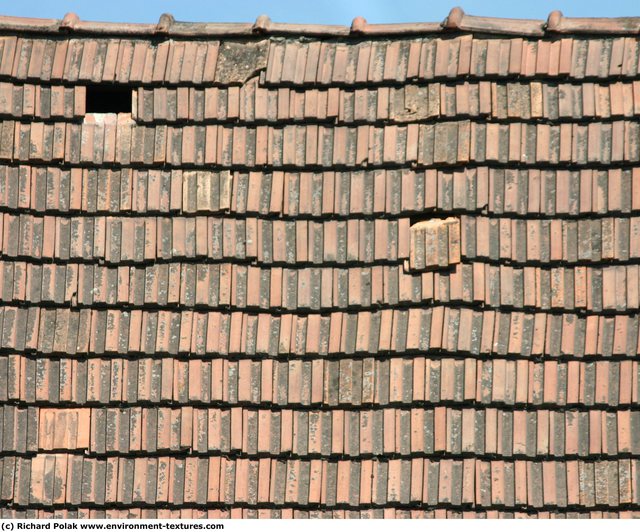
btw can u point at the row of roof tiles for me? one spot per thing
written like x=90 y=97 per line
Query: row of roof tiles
x=54 y=102
x=595 y=289
x=498 y=100
x=552 y=193
x=520 y=241
x=453 y=330
x=314 y=433
x=128 y=61
x=55 y=479
x=81 y=512
x=311 y=62
x=125 y=239
x=349 y=382
x=294 y=62
x=116 y=139
x=116 y=240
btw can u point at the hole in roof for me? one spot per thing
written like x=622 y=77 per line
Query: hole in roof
x=109 y=99
x=420 y=217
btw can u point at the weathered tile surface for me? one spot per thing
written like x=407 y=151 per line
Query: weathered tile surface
x=378 y=272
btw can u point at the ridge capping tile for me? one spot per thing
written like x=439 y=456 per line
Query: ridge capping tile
x=112 y=28
x=557 y=23
x=165 y=22
x=458 y=20
x=402 y=28
x=285 y=28
x=454 y=19
x=197 y=29
x=46 y=25
x=358 y=25
x=262 y=24
x=69 y=22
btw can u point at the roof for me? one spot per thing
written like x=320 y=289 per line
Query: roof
x=378 y=271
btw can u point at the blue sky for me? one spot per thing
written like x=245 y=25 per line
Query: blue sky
x=312 y=11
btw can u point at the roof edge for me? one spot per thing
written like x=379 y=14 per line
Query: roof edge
x=456 y=21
